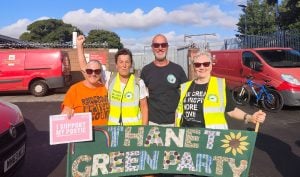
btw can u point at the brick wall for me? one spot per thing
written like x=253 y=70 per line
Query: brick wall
x=75 y=69
x=74 y=59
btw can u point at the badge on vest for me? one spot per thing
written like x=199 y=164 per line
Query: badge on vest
x=212 y=98
x=128 y=95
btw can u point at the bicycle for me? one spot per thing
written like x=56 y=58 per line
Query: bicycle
x=270 y=99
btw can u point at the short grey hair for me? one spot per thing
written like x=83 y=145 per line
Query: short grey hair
x=95 y=61
x=202 y=53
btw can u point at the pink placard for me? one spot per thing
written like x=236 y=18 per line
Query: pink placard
x=64 y=130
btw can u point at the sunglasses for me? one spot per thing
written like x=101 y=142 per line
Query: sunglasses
x=162 y=45
x=198 y=65
x=91 y=71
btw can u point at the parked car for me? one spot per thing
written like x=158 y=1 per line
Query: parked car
x=12 y=138
x=279 y=66
x=36 y=70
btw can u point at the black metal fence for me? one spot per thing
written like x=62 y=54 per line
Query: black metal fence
x=19 y=45
x=278 y=39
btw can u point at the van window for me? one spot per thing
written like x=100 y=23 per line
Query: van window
x=281 y=58
x=249 y=60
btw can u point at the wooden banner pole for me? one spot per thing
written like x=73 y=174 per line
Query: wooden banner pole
x=256 y=127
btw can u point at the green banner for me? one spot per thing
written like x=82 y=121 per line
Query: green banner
x=137 y=150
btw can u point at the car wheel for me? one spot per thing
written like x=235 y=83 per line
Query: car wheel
x=39 y=88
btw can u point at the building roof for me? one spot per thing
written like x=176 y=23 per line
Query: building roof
x=6 y=39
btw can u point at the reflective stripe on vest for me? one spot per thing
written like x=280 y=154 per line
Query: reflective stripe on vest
x=127 y=100
x=213 y=106
x=126 y=122
x=179 y=111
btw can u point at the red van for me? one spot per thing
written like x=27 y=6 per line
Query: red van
x=279 y=65
x=36 y=70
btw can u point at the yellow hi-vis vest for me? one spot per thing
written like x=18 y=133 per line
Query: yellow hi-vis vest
x=213 y=106
x=124 y=104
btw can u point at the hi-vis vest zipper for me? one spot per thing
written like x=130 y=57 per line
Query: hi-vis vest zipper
x=213 y=106
x=124 y=104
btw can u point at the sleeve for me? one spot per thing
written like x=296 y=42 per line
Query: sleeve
x=142 y=76
x=69 y=99
x=107 y=77
x=230 y=105
x=183 y=76
x=143 y=89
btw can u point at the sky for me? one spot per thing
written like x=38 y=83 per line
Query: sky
x=135 y=21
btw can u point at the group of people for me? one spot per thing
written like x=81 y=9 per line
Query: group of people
x=161 y=96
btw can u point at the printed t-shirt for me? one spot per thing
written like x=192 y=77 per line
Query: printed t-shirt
x=193 y=105
x=85 y=99
x=163 y=85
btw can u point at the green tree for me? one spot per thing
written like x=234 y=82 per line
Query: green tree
x=49 y=31
x=104 y=39
x=290 y=15
x=260 y=18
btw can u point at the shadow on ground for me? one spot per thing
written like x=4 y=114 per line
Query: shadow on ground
x=286 y=162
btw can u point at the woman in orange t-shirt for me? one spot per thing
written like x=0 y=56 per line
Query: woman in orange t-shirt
x=89 y=95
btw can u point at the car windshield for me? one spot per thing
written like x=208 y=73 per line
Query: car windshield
x=281 y=58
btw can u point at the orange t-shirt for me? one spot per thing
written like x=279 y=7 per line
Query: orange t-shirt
x=84 y=99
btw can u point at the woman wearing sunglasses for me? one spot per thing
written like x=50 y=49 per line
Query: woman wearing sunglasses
x=205 y=99
x=126 y=93
x=89 y=95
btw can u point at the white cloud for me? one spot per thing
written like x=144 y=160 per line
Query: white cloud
x=194 y=14
x=144 y=43
x=100 y=19
x=200 y=15
x=16 y=29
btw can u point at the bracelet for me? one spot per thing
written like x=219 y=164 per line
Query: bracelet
x=245 y=118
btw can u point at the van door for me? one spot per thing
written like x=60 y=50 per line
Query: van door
x=12 y=71
x=250 y=67
x=227 y=64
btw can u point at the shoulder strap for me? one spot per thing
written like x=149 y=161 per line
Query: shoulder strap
x=114 y=74
x=111 y=77
x=137 y=78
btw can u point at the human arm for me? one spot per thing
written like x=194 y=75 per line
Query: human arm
x=258 y=116
x=80 y=52
x=144 y=110
x=67 y=105
x=143 y=101
x=67 y=110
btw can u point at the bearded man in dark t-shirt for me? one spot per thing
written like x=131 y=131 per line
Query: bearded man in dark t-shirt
x=163 y=79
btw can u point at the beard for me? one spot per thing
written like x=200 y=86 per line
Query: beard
x=160 y=57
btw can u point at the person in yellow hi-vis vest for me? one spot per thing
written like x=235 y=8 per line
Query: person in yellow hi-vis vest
x=204 y=100
x=127 y=93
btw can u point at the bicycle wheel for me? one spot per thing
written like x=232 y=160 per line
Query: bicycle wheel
x=240 y=95
x=272 y=100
